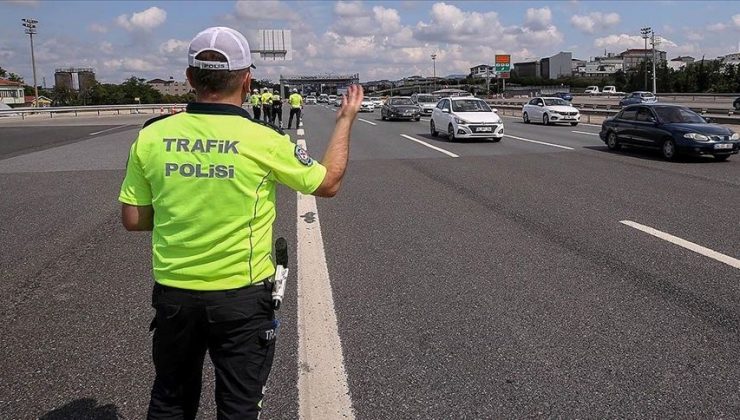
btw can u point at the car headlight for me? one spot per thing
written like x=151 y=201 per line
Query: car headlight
x=696 y=137
x=735 y=137
x=460 y=120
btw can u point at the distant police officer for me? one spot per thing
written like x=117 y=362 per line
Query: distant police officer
x=296 y=103
x=266 y=100
x=277 y=109
x=204 y=182
x=254 y=99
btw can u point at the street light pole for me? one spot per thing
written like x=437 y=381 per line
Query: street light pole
x=434 y=70
x=655 y=90
x=645 y=32
x=30 y=25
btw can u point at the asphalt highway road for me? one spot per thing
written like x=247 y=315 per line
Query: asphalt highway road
x=496 y=284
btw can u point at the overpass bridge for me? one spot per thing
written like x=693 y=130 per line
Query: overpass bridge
x=321 y=83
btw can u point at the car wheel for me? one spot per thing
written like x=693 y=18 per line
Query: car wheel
x=417 y=119
x=451 y=133
x=669 y=149
x=574 y=124
x=545 y=120
x=382 y=116
x=525 y=117
x=736 y=105
x=612 y=142
x=433 y=129
x=721 y=158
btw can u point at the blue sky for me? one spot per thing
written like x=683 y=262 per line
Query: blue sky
x=386 y=39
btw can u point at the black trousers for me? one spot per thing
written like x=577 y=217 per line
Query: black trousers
x=236 y=327
x=256 y=111
x=266 y=113
x=277 y=115
x=297 y=113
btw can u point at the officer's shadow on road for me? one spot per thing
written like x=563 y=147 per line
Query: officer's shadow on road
x=83 y=409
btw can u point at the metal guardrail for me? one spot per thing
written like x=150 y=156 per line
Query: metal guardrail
x=76 y=110
x=608 y=107
x=694 y=96
x=607 y=111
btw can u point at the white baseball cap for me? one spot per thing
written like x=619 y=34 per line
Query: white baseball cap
x=226 y=41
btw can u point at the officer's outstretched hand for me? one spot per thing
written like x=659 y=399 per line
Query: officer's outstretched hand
x=351 y=103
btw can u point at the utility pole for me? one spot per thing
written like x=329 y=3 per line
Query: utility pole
x=30 y=25
x=645 y=32
x=434 y=69
x=655 y=90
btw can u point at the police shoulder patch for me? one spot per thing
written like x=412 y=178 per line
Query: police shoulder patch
x=302 y=155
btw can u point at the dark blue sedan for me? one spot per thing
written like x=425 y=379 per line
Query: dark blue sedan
x=639 y=97
x=672 y=129
x=563 y=95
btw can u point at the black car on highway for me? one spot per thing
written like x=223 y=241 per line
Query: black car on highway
x=400 y=108
x=673 y=129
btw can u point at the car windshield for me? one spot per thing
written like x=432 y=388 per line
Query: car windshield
x=426 y=99
x=470 y=105
x=401 y=101
x=556 y=101
x=669 y=115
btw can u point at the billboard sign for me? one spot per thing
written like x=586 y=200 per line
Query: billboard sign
x=503 y=63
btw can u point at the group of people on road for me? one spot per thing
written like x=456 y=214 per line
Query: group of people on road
x=268 y=106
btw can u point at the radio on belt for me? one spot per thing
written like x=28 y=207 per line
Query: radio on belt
x=281 y=272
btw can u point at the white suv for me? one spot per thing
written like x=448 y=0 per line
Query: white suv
x=550 y=111
x=466 y=117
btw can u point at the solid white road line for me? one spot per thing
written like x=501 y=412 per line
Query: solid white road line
x=439 y=149
x=539 y=142
x=732 y=262
x=109 y=129
x=300 y=132
x=366 y=121
x=323 y=392
x=585 y=132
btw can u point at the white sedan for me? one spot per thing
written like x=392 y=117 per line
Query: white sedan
x=550 y=111
x=465 y=117
x=367 y=105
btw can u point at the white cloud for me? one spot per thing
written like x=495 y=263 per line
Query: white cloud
x=451 y=25
x=132 y=64
x=736 y=20
x=388 y=19
x=264 y=10
x=97 y=28
x=349 y=9
x=538 y=19
x=594 y=21
x=620 y=41
x=694 y=36
x=106 y=47
x=145 y=20
x=717 y=27
x=173 y=46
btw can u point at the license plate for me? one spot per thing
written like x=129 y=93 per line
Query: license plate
x=723 y=146
x=483 y=129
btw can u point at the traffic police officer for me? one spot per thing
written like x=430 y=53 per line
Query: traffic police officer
x=296 y=103
x=266 y=100
x=204 y=182
x=254 y=99
x=277 y=109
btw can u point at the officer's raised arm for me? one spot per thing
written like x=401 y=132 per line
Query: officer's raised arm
x=337 y=153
